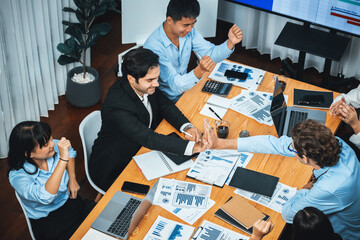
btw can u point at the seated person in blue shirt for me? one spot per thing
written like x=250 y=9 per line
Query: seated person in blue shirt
x=335 y=187
x=42 y=172
x=174 y=40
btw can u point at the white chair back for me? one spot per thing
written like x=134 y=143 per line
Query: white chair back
x=89 y=128
x=26 y=216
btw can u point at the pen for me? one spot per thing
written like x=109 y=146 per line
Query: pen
x=309 y=102
x=259 y=79
x=215 y=105
x=215 y=113
x=186 y=133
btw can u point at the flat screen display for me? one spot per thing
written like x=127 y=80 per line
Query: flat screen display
x=343 y=15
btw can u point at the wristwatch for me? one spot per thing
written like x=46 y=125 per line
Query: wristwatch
x=187 y=127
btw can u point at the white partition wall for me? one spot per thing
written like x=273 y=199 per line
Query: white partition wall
x=141 y=17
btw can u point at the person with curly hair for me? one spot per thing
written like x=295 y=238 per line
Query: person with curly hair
x=335 y=186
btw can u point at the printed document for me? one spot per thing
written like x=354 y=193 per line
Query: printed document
x=212 y=231
x=165 y=229
x=219 y=104
x=155 y=164
x=255 y=75
x=214 y=166
x=281 y=195
x=182 y=194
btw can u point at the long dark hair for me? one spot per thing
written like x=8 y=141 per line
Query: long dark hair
x=312 y=224
x=24 y=138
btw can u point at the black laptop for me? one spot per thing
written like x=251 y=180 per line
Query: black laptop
x=285 y=117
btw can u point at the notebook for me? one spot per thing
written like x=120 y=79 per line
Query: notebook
x=240 y=213
x=253 y=181
x=156 y=164
x=123 y=213
x=285 y=118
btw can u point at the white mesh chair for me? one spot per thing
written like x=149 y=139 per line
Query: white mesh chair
x=26 y=216
x=89 y=128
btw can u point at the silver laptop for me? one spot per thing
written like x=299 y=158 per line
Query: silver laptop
x=284 y=117
x=123 y=213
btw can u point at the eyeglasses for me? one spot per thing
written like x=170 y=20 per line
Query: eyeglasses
x=291 y=149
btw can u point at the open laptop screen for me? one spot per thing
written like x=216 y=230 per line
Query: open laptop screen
x=278 y=107
x=142 y=209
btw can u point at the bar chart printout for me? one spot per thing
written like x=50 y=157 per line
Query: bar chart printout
x=165 y=229
x=182 y=194
x=211 y=231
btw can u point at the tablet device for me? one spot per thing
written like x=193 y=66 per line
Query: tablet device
x=253 y=181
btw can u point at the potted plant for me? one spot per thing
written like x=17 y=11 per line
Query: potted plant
x=83 y=88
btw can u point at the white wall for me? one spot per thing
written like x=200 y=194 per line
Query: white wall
x=141 y=17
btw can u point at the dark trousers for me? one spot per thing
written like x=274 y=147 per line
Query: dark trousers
x=63 y=222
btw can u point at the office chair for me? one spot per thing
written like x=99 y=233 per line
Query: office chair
x=88 y=129
x=26 y=216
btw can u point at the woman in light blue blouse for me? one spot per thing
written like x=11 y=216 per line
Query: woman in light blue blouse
x=42 y=172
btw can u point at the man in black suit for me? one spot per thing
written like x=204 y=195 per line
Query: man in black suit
x=132 y=109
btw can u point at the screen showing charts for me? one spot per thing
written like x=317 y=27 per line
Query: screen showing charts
x=343 y=15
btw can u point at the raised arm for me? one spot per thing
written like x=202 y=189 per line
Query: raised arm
x=53 y=183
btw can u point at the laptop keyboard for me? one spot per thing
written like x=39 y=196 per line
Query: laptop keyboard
x=122 y=222
x=296 y=117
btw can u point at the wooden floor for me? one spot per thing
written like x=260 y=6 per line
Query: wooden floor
x=65 y=119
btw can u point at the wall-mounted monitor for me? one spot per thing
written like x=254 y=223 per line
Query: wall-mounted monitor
x=342 y=15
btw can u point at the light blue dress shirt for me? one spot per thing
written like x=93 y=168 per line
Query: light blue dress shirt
x=37 y=201
x=336 y=192
x=174 y=79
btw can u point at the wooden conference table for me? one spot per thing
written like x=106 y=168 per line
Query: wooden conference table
x=290 y=171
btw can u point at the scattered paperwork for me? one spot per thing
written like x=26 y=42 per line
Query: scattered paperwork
x=254 y=79
x=281 y=195
x=219 y=104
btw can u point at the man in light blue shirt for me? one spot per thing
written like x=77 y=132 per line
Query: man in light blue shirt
x=335 y=187
x=174 y=40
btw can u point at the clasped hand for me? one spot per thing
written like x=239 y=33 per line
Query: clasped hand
x=346 y=113
x=235 y=36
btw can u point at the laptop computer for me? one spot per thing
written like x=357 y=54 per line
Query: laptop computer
x=123 y=213
x=284 y=117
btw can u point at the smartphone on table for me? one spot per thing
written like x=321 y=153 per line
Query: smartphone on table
x=135 y=188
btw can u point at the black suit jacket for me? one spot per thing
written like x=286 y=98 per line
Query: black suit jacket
x=124 y=130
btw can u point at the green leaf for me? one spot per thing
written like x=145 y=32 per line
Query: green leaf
x=92 y=3
x=63 y=48
x=80 y=16
x=72 y=44
x=96 y=32
x=79 y=4
x=77 y=25
x=67 y=23
x=101 y=28
x=75 y=32
x=67 y=9
x=100 y=10
x=63 y=60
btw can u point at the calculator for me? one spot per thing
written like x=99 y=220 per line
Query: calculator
x=216 y=87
